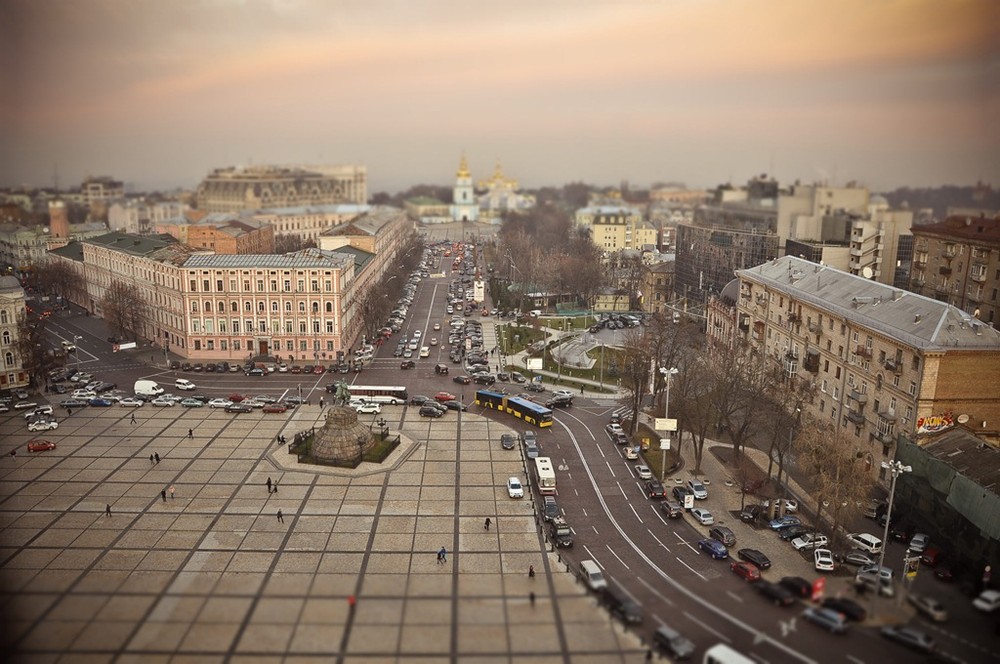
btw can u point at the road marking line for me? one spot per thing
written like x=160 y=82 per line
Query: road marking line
x=636 y=513
x=707 y=628
x=734 y=596
x=692 y=569
x=611 y=470
x=658 y=540
x=616 y=556
x=855 y=659
x=619 y=484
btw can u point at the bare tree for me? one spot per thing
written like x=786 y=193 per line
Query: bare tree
x=56 y=277
x=637 y=360
x=125 y=310
x=286 y=243
x=741 y=379
x=30 y=346
x=691 y=399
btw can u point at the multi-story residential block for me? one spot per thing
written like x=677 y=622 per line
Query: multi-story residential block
x=958 y=261
x=11 y=309
x=26 y=248
x=138 y=217
x=881 y=358
x=615 y=228
x=308 y=223
x=223 y=233
x=658 y=286
x=257 y=187
x=101 y=188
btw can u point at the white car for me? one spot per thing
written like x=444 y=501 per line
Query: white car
x=823 y=559
x=83 y=394
x=437 y=326
x=630 y=453
x=282 y=368
x=514 y=488
x=434 y=341
x=808 y=541
x=703 y=516
x=161 y=402
x=988 y=601
x=184 y=384
x=38 y=410
x=643 y=472
x=791 y=506
x=928 y=606
x=369 y=407
x=219 y=403
x=43 y=425
x=131 y=402
x=697 y=489
x=425 y=351
x=25 y=405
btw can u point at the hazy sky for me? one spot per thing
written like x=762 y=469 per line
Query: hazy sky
x=157 y=93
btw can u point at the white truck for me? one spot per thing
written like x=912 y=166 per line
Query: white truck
x=147 y=388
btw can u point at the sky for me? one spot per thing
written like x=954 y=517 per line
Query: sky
x=886 y=93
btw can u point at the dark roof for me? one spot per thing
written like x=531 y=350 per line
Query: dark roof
x=72 y=251
x=361 y=257
x=972 y=229
x=969 y=455
x=137 y=245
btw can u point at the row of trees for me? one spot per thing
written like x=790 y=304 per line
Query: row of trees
x=745 y=398
x=375 y=304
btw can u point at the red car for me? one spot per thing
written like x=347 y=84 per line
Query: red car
x=236 y=398
x=318 y=369
x=275 y=408
x=39 y=445
x=444 y=396
x=747 y=571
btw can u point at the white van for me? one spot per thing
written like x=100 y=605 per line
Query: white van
x=592 y=575
x=184 y=384
x=147 y=388
x=866 y=542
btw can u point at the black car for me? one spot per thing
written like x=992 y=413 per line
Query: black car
x=461 y=379
x=238 y=408
x=407 y=364
x=186 y=367
x=776 y=593
x=175 y=365
x=751 y=513
x=621 y=605
x=454 y=404
x=256 y=371
x=654 y=489
x=73 y=403
x=754 y=556
x=507 y=441
x=679 y=492
x=559 y=401
x=485 y=379
x=851 y=609
x=798 y=586
x=534 y=387
x=105 y=387
x=58 y=389
x=416 y=399
x=430 y=411
x=788 y=533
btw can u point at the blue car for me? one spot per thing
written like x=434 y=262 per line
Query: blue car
x=714 y=548
x=781 y=522
x=97 y=401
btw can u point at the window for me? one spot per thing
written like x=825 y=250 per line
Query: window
x=329 y=345
x=895 y=381
x=289 y=346
x=197 y=344
x=302 y=307
x=329 y=307
x=837 y=375
x=915 y=364
x=195 y=326
x=208 y=307
x=823 y=388
x=3 y=316
x=235 y=307
x=836 y=392
x=246 y=284
x=288 y=327
x=194 y=285
x=315 y=307
x=260 y=285
x=222 y=325
x=211 y=344
x=287 y=285
x=218 y=285
x=274 y=307
x=302 y=345
x=850 y=379
x=236 y=344
x=248 y=306
x=315 y=285
x=328 y=285
x=206 y=285
x=316 y=327
x=232 y=285
x=302 y=327
x=913 y=388
x=329 y=328
x=288 y=307
x=222 y=344
x=274 y=284
x=261 y=307
x=301 y=285
x=6 y=337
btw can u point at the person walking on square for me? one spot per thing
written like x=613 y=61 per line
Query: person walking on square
x=531 y=597
x=171 y=492
x=531 y=571
x=274 y=488
x=151 y=462
x=269 y=485
x=191 y=434
x=163 y=494
x=133 y=418
x=486 y=525
x=157 y=455
x=443 y=556
x=281 y=517
x=107 y=510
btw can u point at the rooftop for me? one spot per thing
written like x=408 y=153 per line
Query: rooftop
x=333 y=208
x=974 y=229
x=136 y=245
x=916 y=320
x=306 y=258
x=967 y=454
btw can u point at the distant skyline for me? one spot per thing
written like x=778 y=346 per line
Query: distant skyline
x=887 y=93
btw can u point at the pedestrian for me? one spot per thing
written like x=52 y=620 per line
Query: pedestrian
x=581 y=389
x=163 y=494
x=531 y=597
x=321 y=402
x=171 y=492
x=281 y=517
x=107 y=510
x=69 y=411
x=443 y=555
x=274 y=488
x=269 y=485
x=13 y=454
x=151 y=462
x=133 y=418
x=531 y=571
x=486 y=525
x=191 y=433
x=157 y=455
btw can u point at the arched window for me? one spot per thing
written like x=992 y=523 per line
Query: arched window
x=315 y=307
x=208 y=307
x=9 y=359
x=235 y=307
x=261 y=307
x=194 y=307
x=3 y=316
x=288 y=307
x=248 y=306
x=274 y=307
x=329 y=307
x=302 y=307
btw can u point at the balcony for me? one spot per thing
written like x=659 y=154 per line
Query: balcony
x=894 y=365
x=978 y=273
x=857 y=252
x=944 y=271
x=794 y=318
x=920 y=261
x=860 y=397
x=863 y=351
x=811 y=363
x=856 y=416
x=815 y=327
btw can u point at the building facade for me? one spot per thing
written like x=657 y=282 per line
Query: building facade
x=958 y=261
x=658 y=287
x=500 y=195
x=138 y=217
x=615 y=228
x=223 y=233
x=881 y=358
x=101 y=189
x=256 y=187
x=12 y=308
x=308 y=223
x=465 y=206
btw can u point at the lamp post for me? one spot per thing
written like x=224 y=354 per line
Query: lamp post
x=77 y=340
x=895 y=468
x=667 y=373
x=602 y=366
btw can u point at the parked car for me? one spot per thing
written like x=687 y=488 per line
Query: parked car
x=429 y=411
x=909 y=637
x=630 y=453
x=38 y=410
x=39 y=445
x=192 y=403
x=131 y=402
x=621 y=605
x=756 y=557
x=507 y=441
x=751 y=513
x=369 y=407
x=671 y=509
x=239 y=408
x=830 y=620
x=746 y=571
x=444 y=396
x=654 y=489
x=797 y=586
x=219 y=403
x=809 y=541
x=919 y=543
x=723 y=534
x=73 y=403
x=783 y=521
x=679 y=492
x=776 y=593
x=714 y=548
x=823 y=560
x=858 y=558
x=703 y=516
x=43 y=425
x=851 y=609
x=698 y=489
x=988 y=601
x=929 y=607
x=643 y=472
x=274 y=408
x=407 y=364
x=100 y=402
x=514 y=488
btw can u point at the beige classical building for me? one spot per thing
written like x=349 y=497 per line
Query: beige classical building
x=257 y=187
x=658 y=286
x=141 y=217
x=223 y=233
x=11 y=309
x=308 y=223
x=882 y=359
x=616 y=228
x=958 y=261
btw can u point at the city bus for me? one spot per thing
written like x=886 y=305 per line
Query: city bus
x=391 y=394
x=490 y=399
x=529 y=411
x=545 y=476
x=723 y=654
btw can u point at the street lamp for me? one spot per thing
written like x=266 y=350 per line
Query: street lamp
x=895 y=468
x=667 y=373
x=77 y=340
